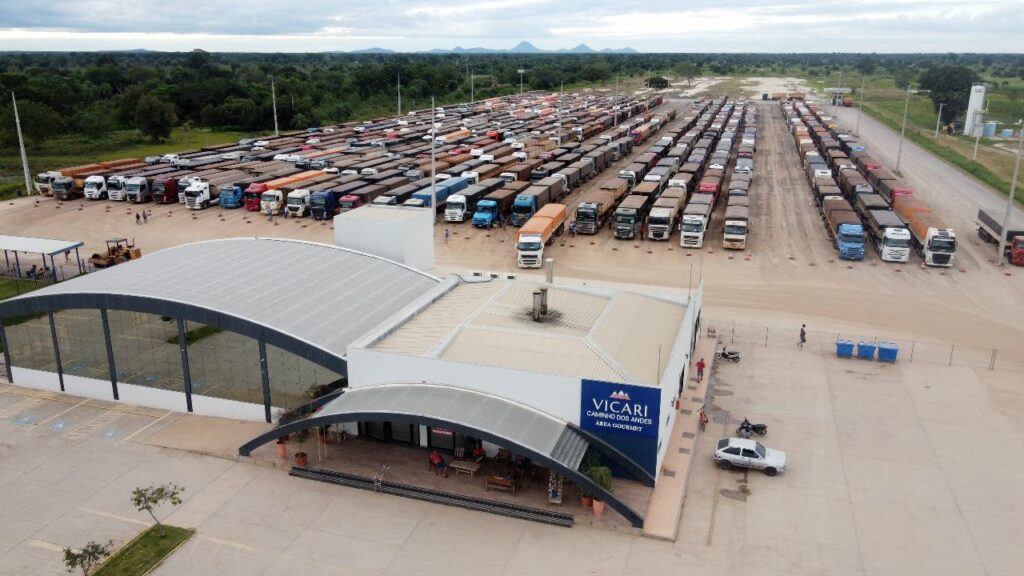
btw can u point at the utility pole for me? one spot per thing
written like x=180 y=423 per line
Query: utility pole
x=1009 y=199
x=433 y=163
x=399 y=93
x=938 y=118
x=273 y=100
x=615 y=106
x=521 y=72
x=472 y=92
x=860 y=103
x=903 y=131
x=21 y=144
x=978 y=116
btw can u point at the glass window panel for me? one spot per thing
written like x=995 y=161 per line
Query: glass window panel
x=224 y=364
x=292 y=377
x=83 y=351
x=31 y=342
x=146 y=350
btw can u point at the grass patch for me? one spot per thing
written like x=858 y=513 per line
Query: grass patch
x=144 y=553
x=11 y=287
x=196 y=334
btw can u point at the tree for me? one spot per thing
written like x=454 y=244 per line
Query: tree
x=89 y=557
x=38 y=122
x=147 y=499
x=657 y=82
x=951 y=85
x=154 y=118
x=687 y=70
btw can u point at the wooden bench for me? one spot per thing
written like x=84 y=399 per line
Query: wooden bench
x=499 y=483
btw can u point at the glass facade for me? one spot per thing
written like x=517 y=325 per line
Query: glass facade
x=83 y=352
x=292 y=376
x=146 y=351
x=31 y=342
x=223 y=364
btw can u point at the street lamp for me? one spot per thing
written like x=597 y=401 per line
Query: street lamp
x=521 y=72
x=938 y=119
x=1009 y=199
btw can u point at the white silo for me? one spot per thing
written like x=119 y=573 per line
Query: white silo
x=975 y=107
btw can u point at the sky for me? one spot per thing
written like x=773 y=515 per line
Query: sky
x=647 y=26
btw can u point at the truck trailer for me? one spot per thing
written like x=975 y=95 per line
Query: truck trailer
x=888 y=233
x=933 y=241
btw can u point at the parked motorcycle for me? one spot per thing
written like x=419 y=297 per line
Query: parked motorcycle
x=747 y=429
x=727 y=354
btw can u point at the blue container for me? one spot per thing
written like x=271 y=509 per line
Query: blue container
x=844 y=348
x=1007 y=133
x=887 y=351
x=866 y=350
x=989 y=130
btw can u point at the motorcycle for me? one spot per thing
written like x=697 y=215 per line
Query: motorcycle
x=746 y=429
x=728 y=354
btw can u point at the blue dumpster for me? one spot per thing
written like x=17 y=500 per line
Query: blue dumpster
x=887 y=351
x=844 y=348
x=866 y=350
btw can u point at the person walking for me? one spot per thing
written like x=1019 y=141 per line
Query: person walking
x=138 y=218
x=803 y=335
x=445 y=235
x=145 y=217
x=700 y=369
x=572 y=229
x=270 y=215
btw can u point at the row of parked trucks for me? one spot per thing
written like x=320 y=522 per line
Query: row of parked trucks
x=860 y=200
x=321 y=172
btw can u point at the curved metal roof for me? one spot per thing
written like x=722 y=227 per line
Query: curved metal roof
x=548 y=440
x=309 y=298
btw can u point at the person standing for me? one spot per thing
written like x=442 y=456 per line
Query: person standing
x=145 y=217
x=572 y=229
x=445 y=235
x=700 y=369
x=803 y=335
x=138 y=218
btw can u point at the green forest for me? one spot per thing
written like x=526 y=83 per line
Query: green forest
x=106 y=99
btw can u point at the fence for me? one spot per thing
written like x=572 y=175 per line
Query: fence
x=944 y=353
x=11 y=287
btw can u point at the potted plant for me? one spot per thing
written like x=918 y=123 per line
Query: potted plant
x=301 y=458
x=590 y=461
x=282 y=451
x=602 y=476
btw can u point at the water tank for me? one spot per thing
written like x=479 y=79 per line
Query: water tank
x=990 y=130
x=1007 y=133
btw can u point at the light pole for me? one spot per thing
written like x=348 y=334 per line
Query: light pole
x=977 y=127
x=433 y=163
x=903 y=131
x=21 y=145
x=938 y=119
x=399 y=93
x=273 y=100
x=860 y=103
x=1009 y=199
x=472 y=91
x=521 y=72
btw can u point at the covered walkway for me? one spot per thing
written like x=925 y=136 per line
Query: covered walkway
x=45 y=251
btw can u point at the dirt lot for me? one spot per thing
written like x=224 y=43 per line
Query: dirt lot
x=792 y=274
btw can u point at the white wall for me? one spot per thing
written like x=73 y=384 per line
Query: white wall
x=556 y=395
x=407 y=240
x=138 y=395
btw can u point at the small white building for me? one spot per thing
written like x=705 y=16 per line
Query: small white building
x=402 y=234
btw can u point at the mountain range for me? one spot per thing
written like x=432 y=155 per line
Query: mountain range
x=523 y=47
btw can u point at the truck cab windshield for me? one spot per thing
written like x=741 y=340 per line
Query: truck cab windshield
x=943 y=245
x=319 y=200
x=92 y=185
x=268 y=198
x=693 y=227
x=529 y=246
x=295 y=202
x=520 y=209
x=133 y=187
x=851 y=238
x=61 y=185
x=459 y=206
x=624 y=218
x=658 y=221
x=159 y=187
x=734 y=230
x=898 y=242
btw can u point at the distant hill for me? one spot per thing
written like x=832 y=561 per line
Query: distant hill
x=523 y=47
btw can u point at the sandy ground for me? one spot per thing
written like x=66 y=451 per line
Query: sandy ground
x=792 y=274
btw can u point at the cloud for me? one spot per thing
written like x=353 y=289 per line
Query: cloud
x=657 y=25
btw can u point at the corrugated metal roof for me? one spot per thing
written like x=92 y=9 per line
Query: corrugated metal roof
x=635 y=329
x=46 y=246
x=504 y=418
x=321 y=294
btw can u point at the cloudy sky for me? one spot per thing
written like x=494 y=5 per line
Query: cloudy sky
x=652 y=26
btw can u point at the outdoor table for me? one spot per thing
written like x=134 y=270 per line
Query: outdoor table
x=464 y=467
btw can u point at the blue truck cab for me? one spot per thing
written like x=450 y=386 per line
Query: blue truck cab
x=850 y=241
x=231 y=196
x=486 y=213
x=322 y=203
x=523 y=208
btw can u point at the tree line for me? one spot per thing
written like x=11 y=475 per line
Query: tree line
x=91 y=94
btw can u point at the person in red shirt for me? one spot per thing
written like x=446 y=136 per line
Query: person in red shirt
x=700 y=369
x=440 y=466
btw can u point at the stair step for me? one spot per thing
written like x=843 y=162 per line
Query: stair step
x=436 y=496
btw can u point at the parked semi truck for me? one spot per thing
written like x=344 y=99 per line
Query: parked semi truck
x=444 y=189
x=844 y=228
x=202 y=194
x=528 y=202
x=663 y=216
x=460 y=207
x=990 y=228
x=537 y=232
x=95 y=188
x=696 y=215
x=495 y=205
x=628 y=216
x=889 y=235
x=137 y=191
x=934 y=242
x=597 y=205
x=737 y=226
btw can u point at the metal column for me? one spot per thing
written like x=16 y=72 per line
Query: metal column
x=265 y=373
x=185 y=373
x=56 y=351
x=7 y=351
x=110 y=352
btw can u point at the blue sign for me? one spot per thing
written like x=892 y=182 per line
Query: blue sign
x=608 y=407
